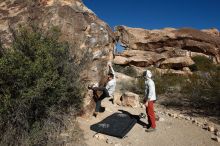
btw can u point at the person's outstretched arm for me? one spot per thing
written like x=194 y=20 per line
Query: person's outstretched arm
x=112 y=70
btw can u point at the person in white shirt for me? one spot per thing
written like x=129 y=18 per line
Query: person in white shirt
x=111 y=84
x=108 y=90
x=150 y=98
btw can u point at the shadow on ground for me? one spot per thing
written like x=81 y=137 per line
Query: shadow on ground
x=137 y=117
x=118 y=124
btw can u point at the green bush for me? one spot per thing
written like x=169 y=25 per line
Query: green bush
x=204 y=84
x=205 y=81
x=169 y=83
x=39 y=84
x=164 y=83
x=202 y=64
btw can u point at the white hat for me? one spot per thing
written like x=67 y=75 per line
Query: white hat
x=148 y=74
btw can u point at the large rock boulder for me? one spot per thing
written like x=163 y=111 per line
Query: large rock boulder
x=122 y=83
x=167 y=48
x=186 y=40
x=120 y=60
x=138 y=58
x=123 y=80
x=122 y=77
x=130 y=99
x=138 y=70
x=79 y=26
x=177 y=62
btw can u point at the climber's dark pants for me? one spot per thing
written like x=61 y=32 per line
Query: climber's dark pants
x=99 y=99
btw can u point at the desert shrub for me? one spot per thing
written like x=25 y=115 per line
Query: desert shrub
x=164 y=83
x=136 y=86
x=202 y=64
x=214 y=83
x=127 y=70
x=205 y=80
x=130 y=71
x=118 y=68
x=125 y=86
x=202 y=89
x=140 y=86
x=169 y=83
x=39 y=85
x=204 y=85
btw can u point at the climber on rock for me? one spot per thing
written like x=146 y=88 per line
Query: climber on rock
x=107 y=91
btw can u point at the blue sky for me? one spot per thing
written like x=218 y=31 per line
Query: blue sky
x=155 y=14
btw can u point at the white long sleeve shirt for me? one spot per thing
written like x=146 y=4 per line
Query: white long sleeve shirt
x=150 y=92
x=111 y=84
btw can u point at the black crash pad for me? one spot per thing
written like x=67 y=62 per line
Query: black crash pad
x=117 y=124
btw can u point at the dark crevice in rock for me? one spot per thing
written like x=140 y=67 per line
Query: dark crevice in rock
x=193 y=49
x=176 y=66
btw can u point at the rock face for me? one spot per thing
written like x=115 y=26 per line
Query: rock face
x=212 y=31
x=79 y=26
x=130 y=99
x=122 y=81
x=177 y=62
x=138 y=58
x=167 y=48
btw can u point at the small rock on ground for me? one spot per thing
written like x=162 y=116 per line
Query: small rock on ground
x=100 y=136
x=216 y=138
x=211 y=128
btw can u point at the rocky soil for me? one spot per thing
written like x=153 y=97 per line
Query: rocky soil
x=173 y=129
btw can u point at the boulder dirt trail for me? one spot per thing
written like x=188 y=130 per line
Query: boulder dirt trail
x=170 y=131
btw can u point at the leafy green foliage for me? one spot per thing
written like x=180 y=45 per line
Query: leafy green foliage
x=39 y=80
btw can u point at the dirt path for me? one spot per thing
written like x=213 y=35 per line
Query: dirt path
x=170 y=132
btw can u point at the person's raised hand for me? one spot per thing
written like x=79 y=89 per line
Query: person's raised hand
x=109 y=64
